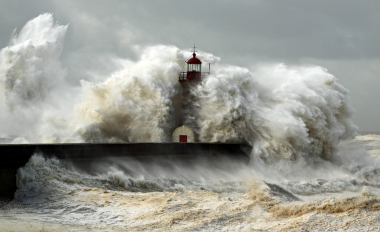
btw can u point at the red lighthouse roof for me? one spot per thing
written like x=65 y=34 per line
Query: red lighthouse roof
x=194 y=60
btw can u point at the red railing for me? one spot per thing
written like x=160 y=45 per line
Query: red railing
x=183 y=75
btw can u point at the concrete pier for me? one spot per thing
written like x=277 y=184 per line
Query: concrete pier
x=16 y=156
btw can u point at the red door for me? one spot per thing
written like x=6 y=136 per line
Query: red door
x=183 y=138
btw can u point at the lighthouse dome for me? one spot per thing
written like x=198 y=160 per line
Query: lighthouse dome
x=194 y=60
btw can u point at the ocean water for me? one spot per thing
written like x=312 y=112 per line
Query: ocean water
x=123 y=196
x=309 y=168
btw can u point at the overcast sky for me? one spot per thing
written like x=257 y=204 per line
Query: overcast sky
x=342 y=36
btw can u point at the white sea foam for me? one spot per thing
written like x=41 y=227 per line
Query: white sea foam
x=284 y=112
x=294 y=117
x=287 y=112
x=124 y=193
x=30 y=65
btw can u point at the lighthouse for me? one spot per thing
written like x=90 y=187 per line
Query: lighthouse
x=193 y=70
x=189 y=79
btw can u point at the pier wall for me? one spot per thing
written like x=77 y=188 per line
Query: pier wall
x=16 y=156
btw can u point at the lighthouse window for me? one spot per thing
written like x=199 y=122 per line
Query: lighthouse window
x=194 y=67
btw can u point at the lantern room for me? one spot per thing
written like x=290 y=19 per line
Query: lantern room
x=194 y=64
x=194 y=69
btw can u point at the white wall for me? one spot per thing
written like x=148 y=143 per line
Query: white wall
x=183 y=130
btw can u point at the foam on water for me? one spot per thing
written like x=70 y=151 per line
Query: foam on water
x=296 y=119
x=146 y=196
x=284 y=112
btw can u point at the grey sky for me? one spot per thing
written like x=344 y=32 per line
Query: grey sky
x=342 y=36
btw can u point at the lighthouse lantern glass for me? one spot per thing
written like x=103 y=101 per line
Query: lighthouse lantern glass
x=194 y=68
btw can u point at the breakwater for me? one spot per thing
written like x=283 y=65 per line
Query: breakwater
x=16 y=156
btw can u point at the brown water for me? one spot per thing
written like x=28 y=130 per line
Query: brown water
x=53 y=197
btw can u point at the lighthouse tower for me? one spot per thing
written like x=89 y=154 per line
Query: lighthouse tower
x=192 y=77
x=188 y=80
